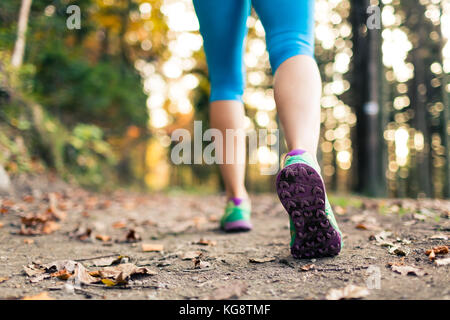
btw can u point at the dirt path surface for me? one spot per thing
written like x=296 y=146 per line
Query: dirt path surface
x=186 y=256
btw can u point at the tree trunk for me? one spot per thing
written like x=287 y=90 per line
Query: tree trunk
x=418 y=96
x=19 y=47
x=445 y=118
x=366 y=86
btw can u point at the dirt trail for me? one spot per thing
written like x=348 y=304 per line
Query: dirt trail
x=254 y=265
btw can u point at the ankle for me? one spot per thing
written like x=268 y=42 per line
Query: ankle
x=242 y=195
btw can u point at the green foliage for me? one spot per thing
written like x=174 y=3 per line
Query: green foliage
x=72 y=94
x=88 y=154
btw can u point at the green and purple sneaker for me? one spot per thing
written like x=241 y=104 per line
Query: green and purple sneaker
x=237 y=216
x=314 y=231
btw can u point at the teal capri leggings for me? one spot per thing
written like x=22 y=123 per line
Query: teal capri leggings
x=289 y=27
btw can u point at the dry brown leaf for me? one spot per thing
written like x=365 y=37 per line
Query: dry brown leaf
x=37 y=224
x=53 y=207
x=262 y=260
x=28 y=241
x=150 y=247
x=121 y=273
x=349 y=292
x=432 y=255
x=132 y=236
x=40 y=296
x=308 y=267
x=438 y=250
x=28 y=198
x=81 y=275
x=103 y=237
x=62 y=274
x=3 y=279
x=119 y=225
x=200 y=264
x=81 y=233
x=50 y=227
x=367 y=226
x=206 y=242
x=109 y=261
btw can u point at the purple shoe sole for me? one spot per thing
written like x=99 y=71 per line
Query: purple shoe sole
x=237 y=226
x=302 y=193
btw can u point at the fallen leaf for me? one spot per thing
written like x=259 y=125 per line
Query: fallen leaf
x=3 y=279
x=60 y=265
x=206 y=242
x=119 y=225
x=349 y=292
x=28 y=241
x=132 y=236
x=81 y=275
x=81 y=233
x=109 y=261
x=50 y=227
x=63 y=274
x=308 y=267
x=149 y=247
x=53 y=207
x=408 y=270
x=399 y=251
x=37 y=224
x=1 y=224
x=33 y=269
x=121 y=273
x=432 y=255
x=40 y=296
x=438 y=250
x=103 y=237
x=262 y=260
x=200 y=264
x=28 y=198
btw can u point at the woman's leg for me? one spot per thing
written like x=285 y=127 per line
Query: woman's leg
x=297 y=90
x=223 y=27
x=289 y=27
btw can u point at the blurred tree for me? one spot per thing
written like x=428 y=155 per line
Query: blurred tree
x=366 y=79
